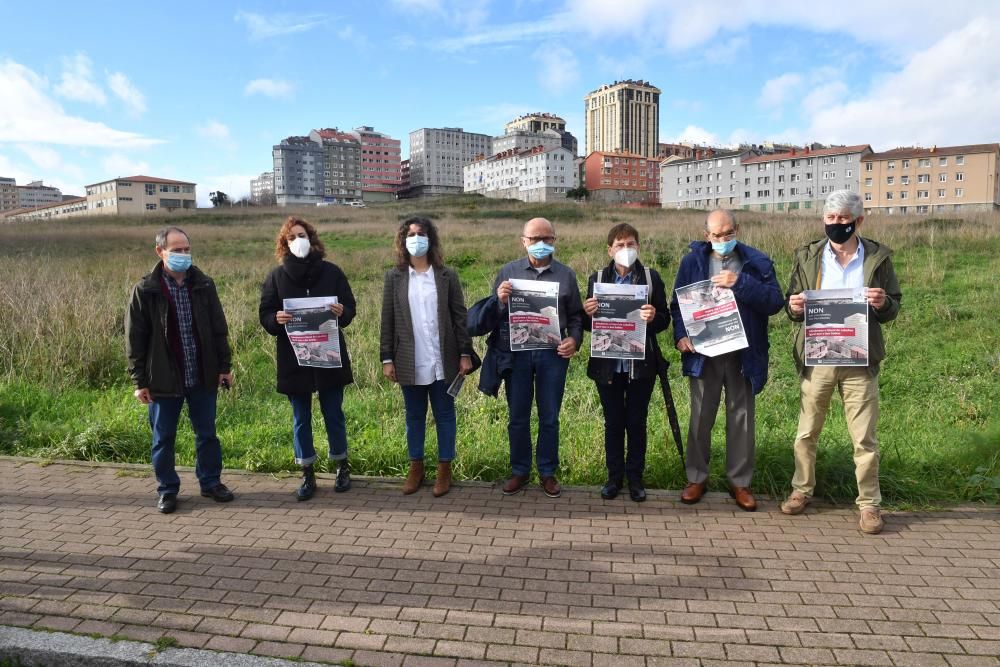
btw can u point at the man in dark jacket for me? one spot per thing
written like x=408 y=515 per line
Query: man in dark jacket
x=178 y=350
x=749 y=273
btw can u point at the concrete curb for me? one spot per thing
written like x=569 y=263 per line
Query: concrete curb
x=30 y=648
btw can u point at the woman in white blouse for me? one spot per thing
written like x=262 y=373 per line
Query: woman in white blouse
x=424 y=344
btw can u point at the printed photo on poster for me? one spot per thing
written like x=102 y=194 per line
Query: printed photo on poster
x=712 y=318
x=314 y=331
x=836 y=323
x=617 y=328
x=533 y=315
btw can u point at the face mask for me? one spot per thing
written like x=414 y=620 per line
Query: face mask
x=178 y=261
x=724 y=247
x=299 y=247
x=626 y=257
x=840 y=233
x=417 y=245
x=540 y=250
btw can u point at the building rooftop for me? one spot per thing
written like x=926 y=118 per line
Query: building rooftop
x=709 y=154
x=808 y=152
x=143 y=179
x=18 y=211
x=915 y=152
x=633 y=83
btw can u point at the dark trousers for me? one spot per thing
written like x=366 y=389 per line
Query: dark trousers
x=537 y=376
x=164 y=415
x=626 y=406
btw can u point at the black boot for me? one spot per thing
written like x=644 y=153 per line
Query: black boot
x=308 y=487
x=343 y=482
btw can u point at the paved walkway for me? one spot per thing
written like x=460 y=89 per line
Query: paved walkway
x=378 y=578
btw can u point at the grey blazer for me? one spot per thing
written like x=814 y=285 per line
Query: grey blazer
x=396 y=340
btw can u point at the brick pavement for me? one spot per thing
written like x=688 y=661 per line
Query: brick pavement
x=476 y=578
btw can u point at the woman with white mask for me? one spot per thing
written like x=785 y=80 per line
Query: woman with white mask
x=424 y=344
x=302 y=271
x=626 y=386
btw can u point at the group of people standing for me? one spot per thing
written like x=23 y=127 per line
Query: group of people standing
x=178 y=351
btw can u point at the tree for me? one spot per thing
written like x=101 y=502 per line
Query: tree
x=219 y=198
x=578 y=193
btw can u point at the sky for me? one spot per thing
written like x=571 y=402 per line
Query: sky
x=200 y=91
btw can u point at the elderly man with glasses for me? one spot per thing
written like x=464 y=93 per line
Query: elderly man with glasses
x=749 y=273
x=538 y=375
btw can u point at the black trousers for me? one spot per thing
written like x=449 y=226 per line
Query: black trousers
x=626 y=406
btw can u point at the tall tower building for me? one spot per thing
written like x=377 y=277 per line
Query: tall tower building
x=623 y=116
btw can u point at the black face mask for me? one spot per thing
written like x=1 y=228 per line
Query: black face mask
x=840 y=233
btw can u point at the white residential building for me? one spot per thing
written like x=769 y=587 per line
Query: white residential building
x=535 y=175
x=801 y=178
x=437 y=156
x=711 y=179
x=262 y=189
x=37 y=194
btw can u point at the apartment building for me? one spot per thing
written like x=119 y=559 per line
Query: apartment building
x=708 y=179
x=37 y=193
x=8 y=194
x=262 y=189
x=380 y=164
x=800 y=178
x=537 y=174
x=536 y=122
x=522 y=140
x=932 y=180
x=438 y=156
x=134 y=195
x=624 y=117
x=621 y=178
x=341 y=166
x=298 y=172
x=74 y=206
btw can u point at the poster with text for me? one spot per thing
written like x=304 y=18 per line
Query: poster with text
x=533 y=315
x=711 y=318
x=314 y=331
x=836 y=323
x=617 y=328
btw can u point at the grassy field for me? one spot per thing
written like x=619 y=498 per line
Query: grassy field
x=64 y=390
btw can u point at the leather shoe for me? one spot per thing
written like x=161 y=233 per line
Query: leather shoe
x=637 y=491
x=693 y=492
x=167 y=503
x=515 y=484
x=610 y=489
x=219 y=493
x=550 y=485
x=743 y=498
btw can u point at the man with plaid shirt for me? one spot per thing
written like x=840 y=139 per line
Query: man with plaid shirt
x=178 y=350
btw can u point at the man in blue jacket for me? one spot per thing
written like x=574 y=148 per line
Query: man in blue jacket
x=749 y=273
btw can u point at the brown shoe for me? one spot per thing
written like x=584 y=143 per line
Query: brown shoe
x=550 y=485
x=693 y=492
x=414 y=478
x=796 y=503
x=743 y=498
x=515 y=484
x=442 y=484
x=871 y=520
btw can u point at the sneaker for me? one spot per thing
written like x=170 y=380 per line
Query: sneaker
x=871 y=520
x=796 y=503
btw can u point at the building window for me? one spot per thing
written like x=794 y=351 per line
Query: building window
x=868 y=196
x=891 y=164
x=959 y=176
x=941 y=192
x=923 y=194
x=888 y=195
x=923 y=178
x=942 y=162
x=868 y=182
x=959 y=192
x=959 y=159
x=868 y=166
x=905 y=180
x=922 y=209
x=150 y=207
x=150 y=189
x=906 y=164
x=904 y=194
x=890 y=180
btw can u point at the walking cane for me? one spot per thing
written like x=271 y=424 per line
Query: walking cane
x=668 y=401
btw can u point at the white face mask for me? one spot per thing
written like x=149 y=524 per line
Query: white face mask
x=299 y=247
x=626 y=257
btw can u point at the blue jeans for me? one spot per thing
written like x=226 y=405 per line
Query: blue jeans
x=626 y=406
x=415 y=397
x=538 y=375
x=331 y=402
x=164 y=414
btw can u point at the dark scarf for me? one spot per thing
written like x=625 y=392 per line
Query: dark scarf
x=303 y=272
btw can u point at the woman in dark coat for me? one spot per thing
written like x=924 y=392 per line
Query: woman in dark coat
x=302 y=272
x=424 y=344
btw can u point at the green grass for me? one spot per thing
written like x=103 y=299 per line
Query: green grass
x=64 y=390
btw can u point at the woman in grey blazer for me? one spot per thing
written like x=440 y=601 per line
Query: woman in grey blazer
x=424 y=344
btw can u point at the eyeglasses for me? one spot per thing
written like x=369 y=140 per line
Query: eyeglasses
x=722 y=236
x=543 y=239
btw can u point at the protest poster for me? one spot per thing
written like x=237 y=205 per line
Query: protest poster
x=533 y=315
x=313 y=331
x=836 y=327
x=617 y=329
x=711 y=318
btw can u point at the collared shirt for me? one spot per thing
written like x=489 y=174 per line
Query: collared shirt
x=423 y=298
x=718 y=263
x=836 y=276
x=180 y=299
x=570 y=303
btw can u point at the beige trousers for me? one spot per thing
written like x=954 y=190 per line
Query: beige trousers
x=858 y=388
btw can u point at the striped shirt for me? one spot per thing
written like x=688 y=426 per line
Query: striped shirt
x=180 y=298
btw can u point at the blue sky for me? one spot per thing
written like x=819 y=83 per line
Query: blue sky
x=201 y=91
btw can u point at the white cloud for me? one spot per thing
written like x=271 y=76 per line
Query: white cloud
x=123 y=89
x=505 y=34
x=44 y=157
x=77 y=81
x=776 y=91
x=558 y=69
x=275 y=25
x=824 y=96
x=946 y=94
x=29 y=115
x=117 y=164
x=218 y=134
x=621 y=67
x=694 y=134
x=276 y=88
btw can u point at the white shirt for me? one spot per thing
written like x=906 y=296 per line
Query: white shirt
x=426 y=337
x=836 y=276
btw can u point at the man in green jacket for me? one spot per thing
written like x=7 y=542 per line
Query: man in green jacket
x=843 y=260
x=178 y=350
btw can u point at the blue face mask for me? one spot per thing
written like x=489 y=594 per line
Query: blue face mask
x=417 y=245
x=178 y=261
x=724 y=247
x=540 y=250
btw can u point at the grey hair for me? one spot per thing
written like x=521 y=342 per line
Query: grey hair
x=844 y=200
x=724 y=211
x=161 y=236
